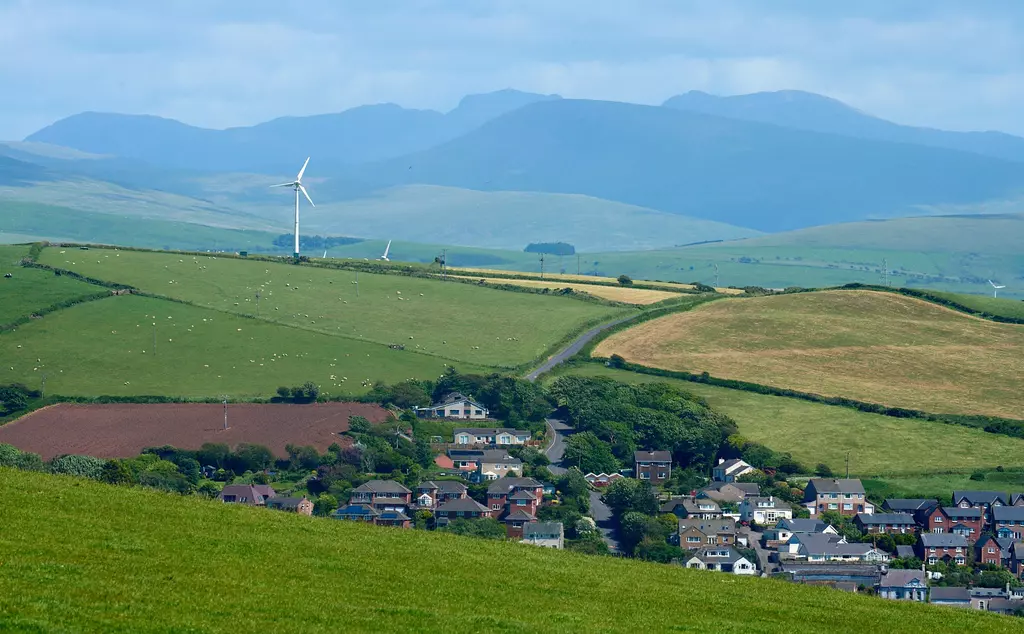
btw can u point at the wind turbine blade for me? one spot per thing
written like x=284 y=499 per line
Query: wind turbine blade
x=303 y=170
x=386 y=249
x=283 y=185
x=303 y=190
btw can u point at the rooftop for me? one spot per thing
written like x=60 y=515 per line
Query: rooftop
x=462 y=505
x=652 y=456
x=979 y=497
x=957 y=512
x=381 y=486
x=506 y=484
x=943 y=540
x=1007 y=513
x=949 y=594
x=897 y=519
x=542 y=529
x=834 y=485
x=901 y=578
x=490 y=431
x=908 y=505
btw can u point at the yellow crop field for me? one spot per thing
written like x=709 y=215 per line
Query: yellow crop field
x=624 y=294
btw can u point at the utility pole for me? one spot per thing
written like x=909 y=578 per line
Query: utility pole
x=716 y=275
x=224 y=399
x=257 y=304
x=847 y=465
x=42 y=389
x=541 y=266
x=154 y=338
x=444 y=264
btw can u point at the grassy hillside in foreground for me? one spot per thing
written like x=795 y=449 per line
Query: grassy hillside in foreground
x=816 y=433
x=871 y=346
x=81 y=556
x=453 y=320
x=105 y=347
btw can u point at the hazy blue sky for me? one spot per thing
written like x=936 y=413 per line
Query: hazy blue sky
x=221 y=63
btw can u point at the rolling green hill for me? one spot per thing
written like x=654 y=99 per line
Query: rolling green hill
x=82 y=556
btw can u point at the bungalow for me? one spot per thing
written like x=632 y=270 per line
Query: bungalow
x=983 y=500
x=765 y=511
x=1009 y=517
x=729 y=470
x=382 y=495
x=951 y=596
x=981 y=597
x=893 y=523
x=653 y=466
x=993 y=550
x=695 y=533
x=844 y=496
x=494 y=436
x=248 y=494
x=831 y=574
x=955 y=519
x=544 y=534
x=602 y=479
x=454 y=405
x=729 y=491
x=904 y=585
x=722 y=559
x=465 y=508
x=431 y=494
x=948 y=547
x=1008 y=607
x=515 y=521
x=300 y=505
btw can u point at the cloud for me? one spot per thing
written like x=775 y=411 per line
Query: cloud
x=220 y=63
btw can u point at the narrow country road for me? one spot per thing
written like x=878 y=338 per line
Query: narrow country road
x=573 y=348
x=554 y=452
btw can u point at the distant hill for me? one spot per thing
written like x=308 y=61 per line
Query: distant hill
x=15 y=172
x=365 y=133
x=743 y=173
x=809 y=111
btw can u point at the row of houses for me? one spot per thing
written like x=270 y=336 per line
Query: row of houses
x=264 y=495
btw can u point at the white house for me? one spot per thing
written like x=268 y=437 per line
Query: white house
x=544 y=534
x=454 y=405
x=764 y=510
x=501 y=437
x=722 y=559
x=729 y=470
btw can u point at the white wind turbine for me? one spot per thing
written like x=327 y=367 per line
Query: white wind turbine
x=297 y=186
x=386 y=250
x=995 y=288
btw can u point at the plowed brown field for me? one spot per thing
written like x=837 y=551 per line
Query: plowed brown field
x=122 y=430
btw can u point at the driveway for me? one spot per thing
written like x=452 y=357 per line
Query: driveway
x=754 y=539
x=603 y=517
x=573 y=348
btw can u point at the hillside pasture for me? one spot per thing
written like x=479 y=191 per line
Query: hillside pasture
x=123 y=430
x=872 y=346
x=457 y=321
x=30 y=290
x=83 y=556
x=998 y=306
x=623 y=294
x=815 y=433
x=105 y=347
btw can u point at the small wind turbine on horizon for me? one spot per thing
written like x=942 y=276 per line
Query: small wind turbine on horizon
x=386 y=250
x=297 y=186
x=995 y=288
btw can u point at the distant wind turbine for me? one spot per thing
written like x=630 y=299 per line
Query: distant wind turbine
x=995 y=288
x=386 y=250
x=297 y=186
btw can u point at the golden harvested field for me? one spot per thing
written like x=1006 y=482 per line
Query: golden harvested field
x=587 y=279
x=624 y=294
x=872 y=346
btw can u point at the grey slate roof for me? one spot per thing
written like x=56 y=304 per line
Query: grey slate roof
x=522 y=495
x=834 y=485
x=903 y=578
x=728 y=464
x=708 y=527
x=905 y=552
x=950 y=594
x=943 y=540
x=444 y=486
x=894 y=519
x=506 y=484
x=285 y=503
x=980 y=497
x=490 y=431
x=908 y=505
x=704 y=554
x=393 y=516
x=802 y=525
x=462 y=505
x=652 y=456
x=381 y=486
x=955 y=512
x=748 y=488
x=542 y=529
x=519 y=516
x=1008 y=513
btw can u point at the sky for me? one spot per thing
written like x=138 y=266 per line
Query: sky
x=223 y=63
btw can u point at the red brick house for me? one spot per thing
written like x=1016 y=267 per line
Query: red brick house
x=993 y=550
x=464 y=508
x=397 y=519
x=966 y=521
x=948 y=547
x=653 y=466
x=1010 y=518
x=382 y=495
x=892 y=523
x=516 y=521
x=500 y=491
x=431 y=494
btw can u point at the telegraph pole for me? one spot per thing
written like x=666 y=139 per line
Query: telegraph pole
x=257 y=304
x=154 y=338
x=847 y=465
x=541 y=266
x=42 y=389
x=224 y=398
x=716 y=276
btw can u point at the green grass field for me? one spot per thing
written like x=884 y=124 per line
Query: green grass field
x=105 y=347
x=942 y=485
x=463 y=322
x=991 y=305
x=816 y=433
x=85 y=557
x=30 y=290
x=871 y=346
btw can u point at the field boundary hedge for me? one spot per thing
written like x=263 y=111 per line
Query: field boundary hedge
x=61 y=305
x=992 y=424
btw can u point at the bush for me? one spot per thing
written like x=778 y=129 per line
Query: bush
x=978 y=476
x=625 y=280
x=79 y=466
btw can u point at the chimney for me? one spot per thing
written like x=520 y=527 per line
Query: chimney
x=721 y=460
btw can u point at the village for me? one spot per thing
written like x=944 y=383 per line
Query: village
x=968 y=553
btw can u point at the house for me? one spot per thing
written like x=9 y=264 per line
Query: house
x=653 y=466
x=983 y=500
x=893 y=523
x=1016 y=562
x=397 y=519
x=952 y=596
x=382 y=495
x=602 y=479
x=909 y=506
x=765 y=511
x=955 y=519
x=786 y=527
x=515 y=521
x=497 y=437
x=904 y=585
x=729 y=470
x=981 y=597
x=431 y=493
x=831 y=574
x=454 y=405
x=248 y=494
x=729 y=491
x=993 y=550
x=514 y=494
x=1008 y=607
x=480 y=465
x=1009 y=517
x=545 y=534
x=948 y=547
x=696 y=533
x=904 y=551
x=722 y=559
x=843 y=496
x=697 y=508
x=464 y=508
x=820 y=547
x=1017 y=499
x=300 y=505
x=356 y=513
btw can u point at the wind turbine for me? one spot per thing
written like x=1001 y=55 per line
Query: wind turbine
x=297 y=186
x=995 y=288
x=386 y=249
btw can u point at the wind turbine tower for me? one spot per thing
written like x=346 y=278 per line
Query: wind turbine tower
x=995 y=288
x=297 y=186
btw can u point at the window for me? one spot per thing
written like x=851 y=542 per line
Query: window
x=991 y=550
x=478 y=412
x=938 y=519
x=847 y=507
x=692 y=539
x=496 y=507
x=645 y=476
x=661 y=474
x=833 y=507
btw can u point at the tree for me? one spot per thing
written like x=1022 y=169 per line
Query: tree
x=304 y=458
x=249 y=457
x=12 y=399
x=213 y=454
x=625 y=280
x=325 y=505
x=660 y=551
x=310 y=392
x=80 y=466
x=208 y=489
x=116 y=472
x=590 y=454
x=591 y=544
x=628 y=495
x=359 y=425
x=823 y=470
x=485 y=527
x=423 y=520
